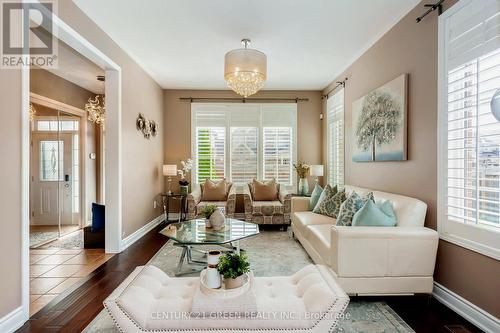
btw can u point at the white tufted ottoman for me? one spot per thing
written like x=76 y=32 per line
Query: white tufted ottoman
x=151 y=301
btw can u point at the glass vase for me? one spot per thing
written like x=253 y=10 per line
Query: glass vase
x=303 y=186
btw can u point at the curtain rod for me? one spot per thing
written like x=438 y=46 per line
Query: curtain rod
x=339 y=83
x=243 y=100
x=432 y=7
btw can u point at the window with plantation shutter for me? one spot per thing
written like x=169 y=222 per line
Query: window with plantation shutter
x=209 y=143
x=244 y=141
x=335 y=138
x=278 y=155
x=210 y=153
x=469 y=130
x=244 y=144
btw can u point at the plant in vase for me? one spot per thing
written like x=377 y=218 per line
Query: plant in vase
x=183 y=172
x=302 y=169
x=232 y=267
x=207 y=211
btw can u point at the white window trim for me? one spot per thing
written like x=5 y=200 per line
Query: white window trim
x=328 y=137
x=479 y=239
x=260 y=142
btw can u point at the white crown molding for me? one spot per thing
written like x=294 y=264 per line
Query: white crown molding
x=477 y=316
x=12 y=320
x=134 y=237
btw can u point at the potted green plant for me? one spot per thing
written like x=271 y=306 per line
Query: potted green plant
x=232 y=267
x=207 y=211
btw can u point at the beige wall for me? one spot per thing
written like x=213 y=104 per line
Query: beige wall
x=177 y=134
x=141 y=158
x=10 y=190
x=54 y=87
x=412 y=48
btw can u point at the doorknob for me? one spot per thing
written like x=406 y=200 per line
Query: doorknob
x=66 y=178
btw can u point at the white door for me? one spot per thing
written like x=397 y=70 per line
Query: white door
x=51 y=178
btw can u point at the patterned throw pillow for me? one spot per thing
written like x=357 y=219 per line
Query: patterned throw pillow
x=328 y=191
x=330 y=205
x=350 y=206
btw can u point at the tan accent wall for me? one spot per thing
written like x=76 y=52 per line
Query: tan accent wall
x=141 y=158
x=10 y=190
x=177 y=122
x=413 y=48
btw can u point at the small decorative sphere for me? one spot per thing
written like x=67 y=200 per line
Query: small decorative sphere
x=495 y=105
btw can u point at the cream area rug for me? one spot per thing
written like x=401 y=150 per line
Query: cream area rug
x=275 y=253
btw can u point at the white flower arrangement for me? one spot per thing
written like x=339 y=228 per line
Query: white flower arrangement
x=185 y=169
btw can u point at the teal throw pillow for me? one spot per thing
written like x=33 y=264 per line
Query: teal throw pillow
x=373 y=215
x=330 y=205
x=316 y=193
x=350 y=206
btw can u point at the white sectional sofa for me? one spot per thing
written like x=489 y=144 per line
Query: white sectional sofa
x=372 y=260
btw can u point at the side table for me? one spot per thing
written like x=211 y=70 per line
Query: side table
x=166 y=197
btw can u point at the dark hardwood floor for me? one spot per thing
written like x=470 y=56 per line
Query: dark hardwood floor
x=73 y=310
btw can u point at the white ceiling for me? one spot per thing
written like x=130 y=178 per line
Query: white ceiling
x=181 y=43
x=77 y=69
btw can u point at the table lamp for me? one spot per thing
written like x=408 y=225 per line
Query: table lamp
x=169 y=170
x=316 y=171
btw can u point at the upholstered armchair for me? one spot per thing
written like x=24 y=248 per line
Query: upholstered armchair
x=275 y=211
x=195 y=202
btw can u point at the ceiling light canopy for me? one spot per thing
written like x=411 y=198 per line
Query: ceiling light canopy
x=245 y=70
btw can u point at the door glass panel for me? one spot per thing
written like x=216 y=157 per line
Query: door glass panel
x=51 y=160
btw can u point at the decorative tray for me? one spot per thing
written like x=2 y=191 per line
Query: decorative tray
x=222 y=292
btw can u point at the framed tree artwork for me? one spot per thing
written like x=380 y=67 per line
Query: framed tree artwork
x=379 y=123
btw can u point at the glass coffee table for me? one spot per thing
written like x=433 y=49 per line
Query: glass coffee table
x=191 y=234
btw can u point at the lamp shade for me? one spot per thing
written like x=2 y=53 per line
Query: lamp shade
x=316 y=170
x=245 y=70
x=169 y=169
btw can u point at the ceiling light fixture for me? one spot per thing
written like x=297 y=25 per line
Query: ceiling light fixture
x=245 y=70
x=96 y=109
x=32 y=112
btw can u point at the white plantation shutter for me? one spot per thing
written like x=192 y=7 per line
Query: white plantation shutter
x=244 y=122
x=244 y=145
x=210 y=153
x=260 y=139
x=469 y=133
x=278 y=158
x=279 y=128
x=335 y=138
x=209 y=128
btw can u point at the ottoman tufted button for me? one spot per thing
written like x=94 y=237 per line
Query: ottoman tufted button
x=269 y=284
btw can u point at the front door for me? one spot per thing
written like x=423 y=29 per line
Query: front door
x=51 y=175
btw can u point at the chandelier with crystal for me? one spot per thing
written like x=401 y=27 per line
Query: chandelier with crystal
x=96 y=109
x=245 y=70
x=32 y=112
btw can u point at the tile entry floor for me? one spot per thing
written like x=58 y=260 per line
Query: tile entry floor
x=53 y=270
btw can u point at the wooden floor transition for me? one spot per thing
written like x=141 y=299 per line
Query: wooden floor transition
x=73 y=310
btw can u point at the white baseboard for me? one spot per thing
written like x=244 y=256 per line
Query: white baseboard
x=466 y=309
x=12 y=321
x=131 y=239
